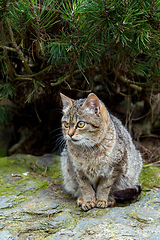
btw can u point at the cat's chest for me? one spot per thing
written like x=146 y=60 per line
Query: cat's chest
x=93 y=166
x=95 y=170
x=94 y=163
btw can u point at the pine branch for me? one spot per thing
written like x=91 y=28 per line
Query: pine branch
x=153 y=6
x=74 y=22
x=38 y=31
x=6 y=58
x=43 y=71
x=19 y=52
x=127 y=81
x=66 y=76
x=8 y=48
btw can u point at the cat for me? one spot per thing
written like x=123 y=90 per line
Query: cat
x=99 y=162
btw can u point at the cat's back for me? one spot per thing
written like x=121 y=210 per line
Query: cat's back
x=121 y=131
x=131 y=157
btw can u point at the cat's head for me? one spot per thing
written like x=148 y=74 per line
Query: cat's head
x=84 y=121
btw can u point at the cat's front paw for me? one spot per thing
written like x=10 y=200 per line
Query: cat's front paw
x=85 y=205
x=88 y=205
x=104 y=203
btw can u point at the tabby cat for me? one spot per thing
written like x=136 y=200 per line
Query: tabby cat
x=100 y=162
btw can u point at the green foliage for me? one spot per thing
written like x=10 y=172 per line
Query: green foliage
x=7 y=90
x=34 y=12
x=108 y=47
x=5 y=115
x=122 y=30
x=45 y=42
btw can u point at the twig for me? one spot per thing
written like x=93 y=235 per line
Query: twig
x=105 y=8
x=65 y=77
x=78 y=90
x=74 y=22
x=139 y=118
x=139 y=89
x=153 y=6
x=37 y=114
x=151 y=164
x=125 y=95
x=150 y=135
x=6 y=58
x=8 y=48
x=19 y=52
x=37 y=29
x=33 y=75
x=85 y=45
x=24 y=78
x=127 y=81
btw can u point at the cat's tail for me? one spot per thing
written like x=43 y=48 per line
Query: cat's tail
x=128 y=193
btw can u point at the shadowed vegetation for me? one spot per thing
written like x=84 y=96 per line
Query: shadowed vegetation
x=77 y=46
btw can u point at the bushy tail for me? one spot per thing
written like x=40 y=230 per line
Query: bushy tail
x=128 y=193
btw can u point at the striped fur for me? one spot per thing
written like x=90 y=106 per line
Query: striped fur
x=100 y=159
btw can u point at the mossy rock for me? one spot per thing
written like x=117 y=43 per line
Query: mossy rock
x=21 y=173
x=15 y=172
x=44 y=211
x=150 y=177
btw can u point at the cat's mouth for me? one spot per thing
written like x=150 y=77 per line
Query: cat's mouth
x=74 y=140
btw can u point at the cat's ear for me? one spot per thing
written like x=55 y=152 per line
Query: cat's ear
x=67 y=102
x=92 y=104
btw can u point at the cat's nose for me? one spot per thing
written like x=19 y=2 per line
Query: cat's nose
x=71 y=132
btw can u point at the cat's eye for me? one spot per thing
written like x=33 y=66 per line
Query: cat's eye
x=80 y=124
x=66 y=124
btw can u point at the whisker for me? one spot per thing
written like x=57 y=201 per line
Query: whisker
x=59 y=110
x=56 y=135
x=59 y=138
x=59 y=143
x=57 y=129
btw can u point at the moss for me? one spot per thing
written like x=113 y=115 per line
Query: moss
x=21 y=163
x=14 y=164
x=24 y=185
x=30 y=184
x=140 y=220
x=13 y=180
x=45 y=212
x=150 y=177
x=54 y=169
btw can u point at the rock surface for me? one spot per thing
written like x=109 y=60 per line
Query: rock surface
x=34 y=206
